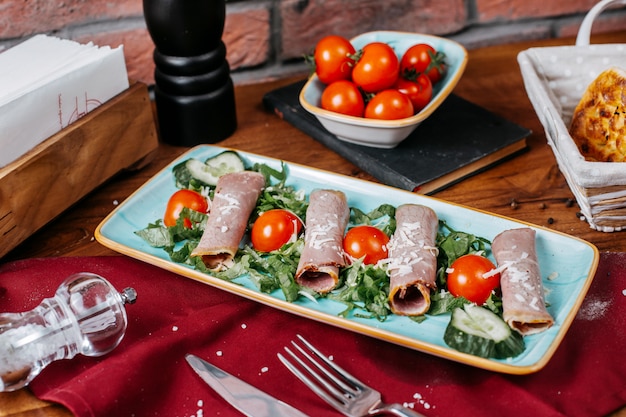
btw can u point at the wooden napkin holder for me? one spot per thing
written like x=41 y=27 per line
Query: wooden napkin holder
x=118 y=135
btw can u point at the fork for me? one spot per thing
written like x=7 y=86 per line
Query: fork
x=337 y=387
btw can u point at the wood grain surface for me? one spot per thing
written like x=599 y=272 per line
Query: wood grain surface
x=528 y=187
x=69 y=165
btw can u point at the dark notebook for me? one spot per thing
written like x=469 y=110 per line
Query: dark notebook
x=458 y=140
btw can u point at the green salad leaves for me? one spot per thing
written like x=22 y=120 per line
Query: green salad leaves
x=363 y=289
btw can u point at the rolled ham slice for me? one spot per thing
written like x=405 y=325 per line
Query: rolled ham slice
x=326 y=220
x=523 y=302
x=234 y=199
x=412 y=260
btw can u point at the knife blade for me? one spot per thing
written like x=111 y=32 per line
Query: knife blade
x=250 y=401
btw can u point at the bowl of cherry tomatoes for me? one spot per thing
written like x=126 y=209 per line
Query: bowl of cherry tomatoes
x=378 y=87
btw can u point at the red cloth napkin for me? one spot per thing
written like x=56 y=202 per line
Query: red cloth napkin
x=146 y=375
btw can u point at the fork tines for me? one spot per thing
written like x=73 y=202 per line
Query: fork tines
x=326 y=379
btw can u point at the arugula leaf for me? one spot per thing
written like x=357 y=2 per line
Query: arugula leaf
x=494 y=303
x=182 y=176
x=249 y=265
x=442 y=302
x=456 y=244
x=280 y=196
x=383 y=217
x=453 y=244
x=159 y=236
x=269 y=172
x=269 y=272
x=156 y=235
x=181 y=255
x=363 y=287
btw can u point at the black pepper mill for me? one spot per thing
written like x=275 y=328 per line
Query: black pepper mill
x=194 y=92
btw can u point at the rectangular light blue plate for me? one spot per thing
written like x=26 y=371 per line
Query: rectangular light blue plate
x=567 y=264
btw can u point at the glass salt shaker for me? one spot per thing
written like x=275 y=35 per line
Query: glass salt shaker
x=86 y=316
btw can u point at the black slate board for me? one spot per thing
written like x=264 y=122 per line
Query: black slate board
x=458 y=140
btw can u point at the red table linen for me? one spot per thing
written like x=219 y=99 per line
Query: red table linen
x=146 y=375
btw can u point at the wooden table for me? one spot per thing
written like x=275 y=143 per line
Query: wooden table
x=528 y=187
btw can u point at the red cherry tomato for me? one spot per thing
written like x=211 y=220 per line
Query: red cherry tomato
x=343 y=97
x=333 y=59
x=389 y=105
x=424 y=59
x=273 y=228
x=420 y=91
x=466 y=278
x=180 y=199
x=377 y=68
x=366 y=241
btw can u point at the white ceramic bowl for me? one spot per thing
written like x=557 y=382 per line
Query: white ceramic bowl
x=387 y=133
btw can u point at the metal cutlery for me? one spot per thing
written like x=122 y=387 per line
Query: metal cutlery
x=250 y=401
x=336 y=386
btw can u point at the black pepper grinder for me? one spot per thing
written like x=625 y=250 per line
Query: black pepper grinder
x=194 y=93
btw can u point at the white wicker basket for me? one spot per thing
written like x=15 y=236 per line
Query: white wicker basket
x=555 y=79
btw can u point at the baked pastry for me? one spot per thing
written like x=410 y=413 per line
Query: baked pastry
x=598 y=124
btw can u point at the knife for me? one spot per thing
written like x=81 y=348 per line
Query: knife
x=250 y=401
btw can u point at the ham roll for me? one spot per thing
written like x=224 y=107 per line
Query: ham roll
x=412 y=262
x=235 y=197
x=523 y=302
x=325 y=223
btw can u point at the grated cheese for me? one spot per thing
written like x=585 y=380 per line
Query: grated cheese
x=498 y=270
x=534 y=303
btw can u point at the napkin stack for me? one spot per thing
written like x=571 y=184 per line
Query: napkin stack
x=46 y=83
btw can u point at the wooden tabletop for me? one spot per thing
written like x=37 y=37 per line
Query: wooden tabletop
x=528 y=187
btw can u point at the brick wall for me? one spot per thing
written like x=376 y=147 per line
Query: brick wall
x=267 y=38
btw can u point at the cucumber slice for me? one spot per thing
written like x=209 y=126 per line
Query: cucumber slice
x=213 y=168
x=226 y=162
x=479 y=331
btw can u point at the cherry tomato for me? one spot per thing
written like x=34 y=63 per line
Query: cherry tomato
x=343 y=97
x=466 y=278
x=333 y=59
x=424 y=59
x=420 y=91
x=366 y=241
x=377 y=68
x=180 y=199
x=273 y=228
x=389 y=105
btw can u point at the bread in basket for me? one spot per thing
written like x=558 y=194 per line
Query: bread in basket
x=555 y=79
